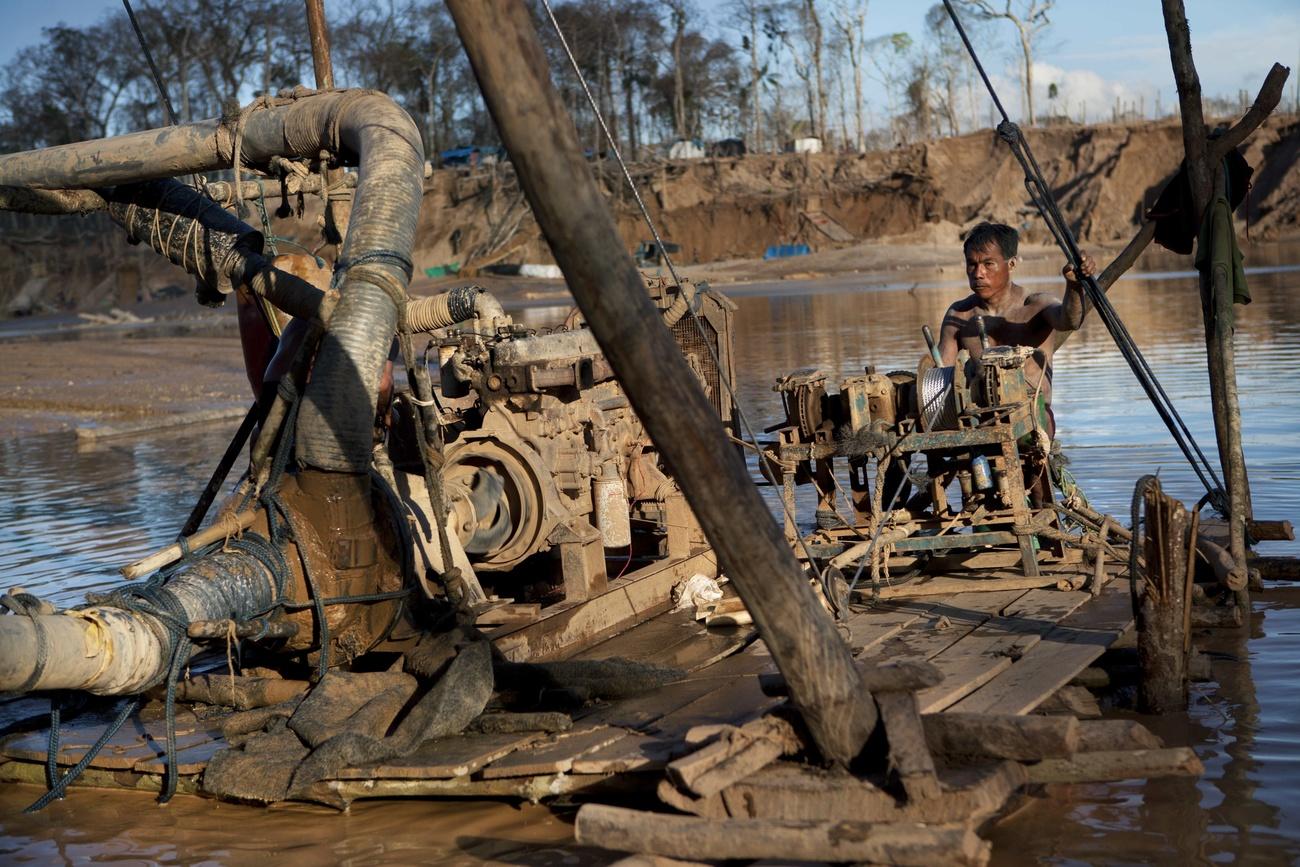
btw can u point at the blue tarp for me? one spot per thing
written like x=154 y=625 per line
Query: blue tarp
x=781 y=251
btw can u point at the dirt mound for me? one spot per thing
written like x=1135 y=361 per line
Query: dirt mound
x=734 y=208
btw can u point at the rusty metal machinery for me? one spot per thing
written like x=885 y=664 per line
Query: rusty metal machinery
x=548 y=471
x=974 y=424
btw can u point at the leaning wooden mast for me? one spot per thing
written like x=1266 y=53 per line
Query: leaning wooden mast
x=506 y=55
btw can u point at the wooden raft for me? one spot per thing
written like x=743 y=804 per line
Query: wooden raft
x=1005 y=651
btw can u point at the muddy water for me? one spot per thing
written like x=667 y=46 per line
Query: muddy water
x=70 y=516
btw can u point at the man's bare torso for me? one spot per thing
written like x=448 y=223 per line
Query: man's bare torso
x=1015 y=324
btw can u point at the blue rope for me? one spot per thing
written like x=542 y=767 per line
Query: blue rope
x=58 y=788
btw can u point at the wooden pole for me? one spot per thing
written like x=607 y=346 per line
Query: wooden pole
x=338 y=211
x=506 y=55
x=1216 y=298
x=1162 y=648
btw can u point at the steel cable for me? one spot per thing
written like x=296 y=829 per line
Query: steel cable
x=748 y=429
x=1045 y=202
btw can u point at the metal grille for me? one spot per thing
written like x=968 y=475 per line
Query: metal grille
x=701 y=361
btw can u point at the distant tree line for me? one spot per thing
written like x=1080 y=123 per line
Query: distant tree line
x=765 y=71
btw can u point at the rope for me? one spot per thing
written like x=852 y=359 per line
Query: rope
x=58 y=787
x=1043 y=199
x=746 y=427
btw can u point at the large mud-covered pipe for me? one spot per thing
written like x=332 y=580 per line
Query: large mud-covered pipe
x=334 y=432
x=108 y=650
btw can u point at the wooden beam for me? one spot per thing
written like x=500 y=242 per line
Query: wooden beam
x=508 y=60
x=691 y=837
x=1023 y=738
x=1117 y=765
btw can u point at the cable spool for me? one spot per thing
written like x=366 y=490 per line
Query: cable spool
x=935 y=399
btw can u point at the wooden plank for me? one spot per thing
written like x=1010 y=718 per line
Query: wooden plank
x=734 y=700
x=553 y=756
x=509 y=612
x=1118 y=765
x=945 y=623
x=869 y=627
x=989 y=649
x=644 y=641
x=522 y=788
x=819 y=841
x=674 y=640
x=630 y=753
x=909 y=754
x=945 y=585
x=133 y=743
x=1067 y=649
x=792 y=791
x=642 y=711
x=190 y=760
x=445 y=758
x=568 y=627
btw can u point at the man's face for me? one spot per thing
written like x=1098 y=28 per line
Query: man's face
x=988 y=271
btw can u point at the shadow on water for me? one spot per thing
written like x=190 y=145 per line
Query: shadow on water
x=71 y=517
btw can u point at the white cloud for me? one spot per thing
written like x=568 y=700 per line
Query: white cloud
x=1081 y=92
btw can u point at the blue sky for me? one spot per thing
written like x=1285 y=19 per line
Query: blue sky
x=1101 y=47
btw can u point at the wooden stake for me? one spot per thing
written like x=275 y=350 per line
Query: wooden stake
x=507 y=57
x=1162 y=656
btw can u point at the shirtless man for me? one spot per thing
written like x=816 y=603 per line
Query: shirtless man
x=1012 y=317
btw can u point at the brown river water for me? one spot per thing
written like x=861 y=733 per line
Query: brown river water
x=71 y=516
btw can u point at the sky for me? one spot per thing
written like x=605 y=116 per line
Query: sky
x=1094 y=51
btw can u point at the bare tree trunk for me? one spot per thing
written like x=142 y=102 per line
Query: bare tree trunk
x=679 y=80
x=1028 y=52
x=755 y=84
x=815 y=40
x=1218 y=334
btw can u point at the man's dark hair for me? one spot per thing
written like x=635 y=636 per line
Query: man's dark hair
x=1007 y=239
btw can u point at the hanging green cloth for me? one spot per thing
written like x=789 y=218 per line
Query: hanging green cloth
x=1217 y=248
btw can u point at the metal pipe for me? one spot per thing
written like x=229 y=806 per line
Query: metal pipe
x=334 y=433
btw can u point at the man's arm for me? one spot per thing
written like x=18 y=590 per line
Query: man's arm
x=948 y=337
x=1067 y=315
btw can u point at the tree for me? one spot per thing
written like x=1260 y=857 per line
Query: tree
x=750 y=16
x=850 y=19
x=678 y=12
x=889 y=56
x=1029 y=17
x=950 y=64
x=70 y=87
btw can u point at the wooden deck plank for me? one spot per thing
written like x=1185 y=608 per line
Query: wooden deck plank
x=674 y=640
x=736 y=701
x=869 y=627
x=552 y=756
x=631 y=752
x=445 y=758
x=1064 y=651
x=135 y=742
x=990 y=648
x=569 y=626
x=946 y=622
x=190 y=760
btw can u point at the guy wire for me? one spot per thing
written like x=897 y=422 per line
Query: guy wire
x=645 y=214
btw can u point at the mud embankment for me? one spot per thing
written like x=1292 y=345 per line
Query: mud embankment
x=730 y=208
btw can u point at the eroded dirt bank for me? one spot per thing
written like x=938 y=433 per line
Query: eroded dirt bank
x=726 y=212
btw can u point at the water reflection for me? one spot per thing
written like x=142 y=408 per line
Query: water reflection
x=71 y=517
